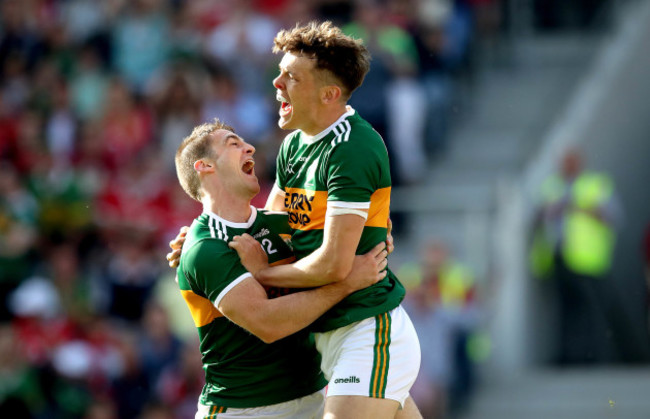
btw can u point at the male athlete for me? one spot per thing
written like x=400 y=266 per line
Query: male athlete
x=333 y=178
x=256 y=365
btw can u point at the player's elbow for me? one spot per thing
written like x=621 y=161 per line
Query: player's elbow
x=336 y=272
x=269 y=334
x=266 y=327
x=265 y=337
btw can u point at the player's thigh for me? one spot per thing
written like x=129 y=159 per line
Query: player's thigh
x=409 y=411
x=377 y=357
x=359 y=407
x=307 y=407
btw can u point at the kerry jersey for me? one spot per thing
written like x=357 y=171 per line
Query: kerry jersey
x=345 y=166
x=240 y=370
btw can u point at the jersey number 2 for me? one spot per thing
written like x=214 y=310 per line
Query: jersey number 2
x=268 y=246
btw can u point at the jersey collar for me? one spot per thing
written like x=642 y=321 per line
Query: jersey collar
x=231 y=224
x=350 y=111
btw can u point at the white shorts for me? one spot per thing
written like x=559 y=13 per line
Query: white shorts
x=308 y=407
x=377 y=357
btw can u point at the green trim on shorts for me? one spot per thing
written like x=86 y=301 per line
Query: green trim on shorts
x=214 y=411
x=381 y=356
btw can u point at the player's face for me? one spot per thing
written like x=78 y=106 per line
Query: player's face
x=235 y=167
x=298 y=92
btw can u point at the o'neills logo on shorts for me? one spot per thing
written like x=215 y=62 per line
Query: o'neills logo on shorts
x=350 y=379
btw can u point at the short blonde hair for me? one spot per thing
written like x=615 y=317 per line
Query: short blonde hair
x=195 y=147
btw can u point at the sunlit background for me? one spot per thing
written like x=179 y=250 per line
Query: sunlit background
x=519 y=135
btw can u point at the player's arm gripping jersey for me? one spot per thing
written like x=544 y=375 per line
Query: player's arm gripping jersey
x=240 y=370
x=346 y=166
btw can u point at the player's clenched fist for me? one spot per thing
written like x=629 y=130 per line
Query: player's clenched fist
x=250 y=252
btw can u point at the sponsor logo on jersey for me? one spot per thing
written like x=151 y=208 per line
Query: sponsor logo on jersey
x=300 y=207
x=306 y=208
x=351 y=379
x=263 y=232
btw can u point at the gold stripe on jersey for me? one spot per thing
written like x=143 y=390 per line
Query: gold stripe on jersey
x=202 y=310
x=379 y=208
x=306 y=208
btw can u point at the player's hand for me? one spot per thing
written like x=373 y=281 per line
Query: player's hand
x=174 y=257
x=250 y=251
x=390 y=244
x=368 y=269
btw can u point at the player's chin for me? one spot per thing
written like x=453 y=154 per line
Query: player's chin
x=252 y=184
x=284 y=122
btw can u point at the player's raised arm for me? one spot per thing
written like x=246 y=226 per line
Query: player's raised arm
x=275 y=200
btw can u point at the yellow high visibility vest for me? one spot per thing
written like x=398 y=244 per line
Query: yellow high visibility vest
x=456 y=282
x=587 y=242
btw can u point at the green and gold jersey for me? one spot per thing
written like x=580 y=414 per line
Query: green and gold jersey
x=240 y=370
x=345 y=166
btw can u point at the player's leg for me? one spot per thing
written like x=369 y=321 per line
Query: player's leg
x=409 y=411
x=359 y=407
x=371 y=365
x=307 y=407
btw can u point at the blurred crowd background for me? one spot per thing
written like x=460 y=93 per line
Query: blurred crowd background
x=95 y=97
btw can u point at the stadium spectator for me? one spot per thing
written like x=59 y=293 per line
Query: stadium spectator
x=575 y=234
x=445 y=313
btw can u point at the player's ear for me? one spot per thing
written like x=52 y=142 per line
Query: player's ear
x=203 y=166
x=330 y=94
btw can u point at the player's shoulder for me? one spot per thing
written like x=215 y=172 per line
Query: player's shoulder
x=203 y=238
x=354 y=132
x=291 y=138
x=206 y=247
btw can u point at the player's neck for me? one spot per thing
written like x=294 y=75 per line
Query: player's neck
x=236 y=209
x=326 y=117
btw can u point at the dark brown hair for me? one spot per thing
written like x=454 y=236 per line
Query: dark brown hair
x=346 y=58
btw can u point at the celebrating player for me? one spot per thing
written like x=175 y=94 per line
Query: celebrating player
x=253 y=367
x=333 y=179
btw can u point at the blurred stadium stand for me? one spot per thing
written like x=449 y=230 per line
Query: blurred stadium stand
x=89 y=120
x=549 y=91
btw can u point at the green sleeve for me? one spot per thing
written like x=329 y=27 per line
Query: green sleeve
x=212 y=267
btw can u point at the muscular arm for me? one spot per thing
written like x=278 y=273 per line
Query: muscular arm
x=275 y=201
x=272 y=319
x=331 y=262
x=248 y=306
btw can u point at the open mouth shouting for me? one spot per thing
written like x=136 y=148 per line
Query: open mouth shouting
x=285 y=107
x=249 y=167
